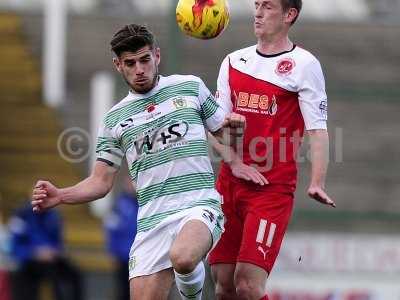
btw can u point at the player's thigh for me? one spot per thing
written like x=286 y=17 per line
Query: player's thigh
x=191 y=244
x=228 y=246
x=150 y=251
x=264 y=228
x=197 y=233
x=151 y=287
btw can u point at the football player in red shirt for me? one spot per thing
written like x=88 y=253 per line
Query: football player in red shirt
x=280 y=89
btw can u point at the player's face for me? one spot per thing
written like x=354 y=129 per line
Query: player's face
x=140 y=68
x=269 y=18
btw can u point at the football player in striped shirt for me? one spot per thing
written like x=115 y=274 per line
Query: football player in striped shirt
x=160 y=129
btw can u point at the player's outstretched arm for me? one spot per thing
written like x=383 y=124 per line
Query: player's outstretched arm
x=319 y=142
x=239 y=169
x=45 y=195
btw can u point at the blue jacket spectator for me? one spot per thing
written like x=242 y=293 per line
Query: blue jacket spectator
x=120 y=226
x=37 y=246
x=4 y=261
x=31 y=232
x=120 y=230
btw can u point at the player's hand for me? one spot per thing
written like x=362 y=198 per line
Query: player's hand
x=235 y=121
x=232 y=128
x=318 y=193
x=44 y=196
x=243 y=171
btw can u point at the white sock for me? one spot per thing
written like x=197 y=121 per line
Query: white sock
x=190 y=286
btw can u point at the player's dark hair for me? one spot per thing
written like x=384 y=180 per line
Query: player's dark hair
x=297 y=4
x=131 y=38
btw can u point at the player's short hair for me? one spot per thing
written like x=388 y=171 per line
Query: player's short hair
x=297 y=4
x=131 y=38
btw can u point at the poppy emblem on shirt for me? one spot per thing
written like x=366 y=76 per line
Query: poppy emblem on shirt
x=285 y=67
x=151 y=108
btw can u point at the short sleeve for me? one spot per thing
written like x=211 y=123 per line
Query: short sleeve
x=223 y=94
x=212 y=114
x=108 y=148
x=312 y=97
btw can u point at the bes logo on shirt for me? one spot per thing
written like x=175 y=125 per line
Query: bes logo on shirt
x=261 y=104
x=161 y=138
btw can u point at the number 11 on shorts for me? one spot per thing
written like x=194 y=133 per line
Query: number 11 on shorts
x=262 y=228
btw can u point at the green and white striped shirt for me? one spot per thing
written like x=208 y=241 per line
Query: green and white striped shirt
x=162 y=135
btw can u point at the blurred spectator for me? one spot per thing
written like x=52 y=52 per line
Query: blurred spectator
x=4 y=245
x=37 y=247
x=120 y=227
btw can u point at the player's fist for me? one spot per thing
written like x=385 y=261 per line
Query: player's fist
x=233 y=127
x=317 y=193
x=44 y=196
x=234 y=120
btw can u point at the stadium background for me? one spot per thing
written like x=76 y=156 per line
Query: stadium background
x=352 y=252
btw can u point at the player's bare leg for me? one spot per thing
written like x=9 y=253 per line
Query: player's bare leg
x=223 y=275
x=151 y=287
x=250 y=281
x=186 y=254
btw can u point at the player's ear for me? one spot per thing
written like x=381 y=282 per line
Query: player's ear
x=291 y=15
x=117 y=64
x=157 y=54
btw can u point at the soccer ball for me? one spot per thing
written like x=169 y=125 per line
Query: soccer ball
x=203 y=19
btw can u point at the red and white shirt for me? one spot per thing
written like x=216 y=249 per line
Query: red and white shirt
x=279 y=95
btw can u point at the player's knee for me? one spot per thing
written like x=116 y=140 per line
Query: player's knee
x=225 y=292
x=182 y=262
x=246 y=289
x=224 y=287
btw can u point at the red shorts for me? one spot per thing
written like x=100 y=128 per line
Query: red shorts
x=256 y=219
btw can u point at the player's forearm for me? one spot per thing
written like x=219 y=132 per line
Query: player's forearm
x=227 y=154
x=220 y=138
x=319 y=143
x=90 y=189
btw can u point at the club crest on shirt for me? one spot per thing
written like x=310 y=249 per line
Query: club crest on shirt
x=285 y=66
x=323 y=106
x=179 y=102
x=132 y=263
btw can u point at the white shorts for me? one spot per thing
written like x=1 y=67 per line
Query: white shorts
x=150 y=251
